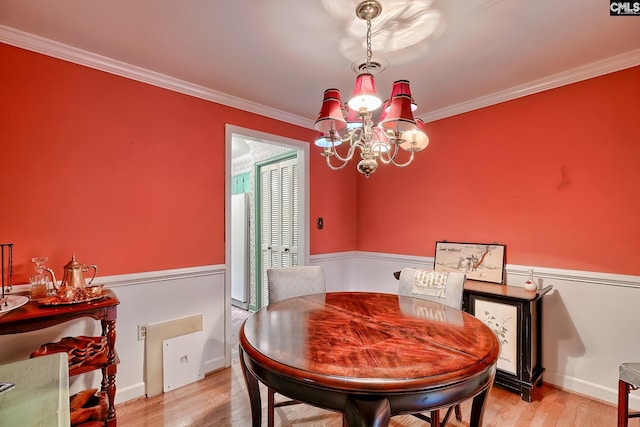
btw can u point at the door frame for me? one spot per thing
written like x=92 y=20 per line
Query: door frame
x=303 y=152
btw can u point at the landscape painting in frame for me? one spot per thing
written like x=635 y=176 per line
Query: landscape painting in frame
x=501 y=319
x=480 y=261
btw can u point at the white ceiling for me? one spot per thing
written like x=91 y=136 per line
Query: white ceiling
x=282 y=54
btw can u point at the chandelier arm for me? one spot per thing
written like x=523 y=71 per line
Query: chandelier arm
x=352 y=145
x=345 y=159
x=386 y=157
x=401 y=165
x=336 y=168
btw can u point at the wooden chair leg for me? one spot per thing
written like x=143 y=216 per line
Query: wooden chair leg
x=458 y=413
x=440 y=421
x=270 y=407
x=435 y=418
x=623 y=404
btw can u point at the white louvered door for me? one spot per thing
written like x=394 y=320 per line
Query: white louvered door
x=279 y=219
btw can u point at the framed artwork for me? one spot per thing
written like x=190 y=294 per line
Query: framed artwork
x=502 y=319
x=516 y=319
x=480 y=261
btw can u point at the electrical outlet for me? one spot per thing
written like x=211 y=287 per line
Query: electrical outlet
x=142 y=332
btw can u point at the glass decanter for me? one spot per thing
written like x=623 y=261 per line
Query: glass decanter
x=39 y=281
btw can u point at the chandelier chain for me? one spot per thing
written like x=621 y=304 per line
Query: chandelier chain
x=368 y=45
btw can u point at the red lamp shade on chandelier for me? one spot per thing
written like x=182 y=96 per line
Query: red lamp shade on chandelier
x=401 y=87
x=365 y=97
x=399 y=118
x=331 y=117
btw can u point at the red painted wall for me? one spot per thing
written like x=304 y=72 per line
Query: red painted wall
x=555 y=176
x=126 y=175
x=131 y=176
x=333 y=197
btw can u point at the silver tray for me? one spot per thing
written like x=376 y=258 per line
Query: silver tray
x=57 y=301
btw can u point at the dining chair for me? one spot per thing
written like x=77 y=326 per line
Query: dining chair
x=289 y=282
x=439 y=286
x=629 y=380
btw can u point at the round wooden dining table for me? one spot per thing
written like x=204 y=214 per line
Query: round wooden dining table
x=370 y=356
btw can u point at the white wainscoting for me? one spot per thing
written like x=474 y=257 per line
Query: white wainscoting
x=160 y=297
x=590 y=320
x=145 y=298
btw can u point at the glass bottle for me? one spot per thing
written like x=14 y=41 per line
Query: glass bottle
x=39 y=281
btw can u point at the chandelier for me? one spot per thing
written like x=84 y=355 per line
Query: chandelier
x=352 y=123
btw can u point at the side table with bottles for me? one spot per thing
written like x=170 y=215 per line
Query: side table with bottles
x=35 y=316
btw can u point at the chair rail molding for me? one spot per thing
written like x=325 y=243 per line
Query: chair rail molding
x=512 y=270
x=160 y=275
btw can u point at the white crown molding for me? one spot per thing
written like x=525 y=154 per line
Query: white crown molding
x=595 y=69
x=54 y=49
x=14 y=37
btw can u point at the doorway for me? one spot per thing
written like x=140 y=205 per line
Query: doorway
x=254 y=149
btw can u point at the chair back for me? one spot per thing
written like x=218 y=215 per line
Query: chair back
x=289 y=282
x=439 y=286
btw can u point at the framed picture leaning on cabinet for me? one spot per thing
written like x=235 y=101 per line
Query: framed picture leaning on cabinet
x=484 y=262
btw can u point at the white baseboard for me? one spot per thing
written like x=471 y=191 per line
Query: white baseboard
x=589 y=389
x=134 y=391
x=129 y=392
x=213 y=364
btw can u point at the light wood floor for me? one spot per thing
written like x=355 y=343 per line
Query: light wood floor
x=221 y=400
